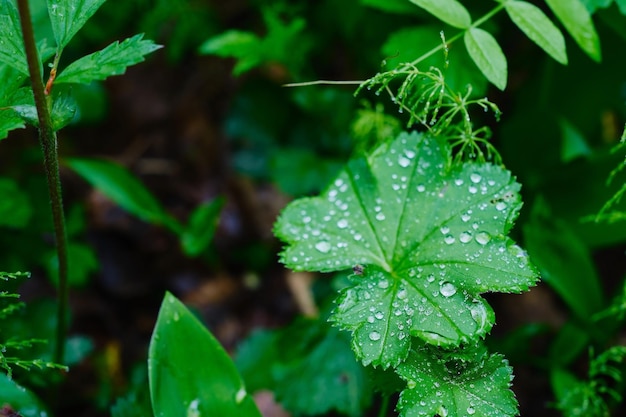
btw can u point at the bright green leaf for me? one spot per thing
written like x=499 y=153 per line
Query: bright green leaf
x=112 y=60
x=11 y=44
x=431 y=240
x=487 y=55
x=68 y=16
x=190 y=373
x=123 y=188
x=577 y=20
x=232 y=43
x=436 y=386
x=538 y=27
x=15 y=206
x=199 y=232
x=450 y=11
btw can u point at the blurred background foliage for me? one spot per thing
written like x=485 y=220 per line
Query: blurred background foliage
x=208 y=117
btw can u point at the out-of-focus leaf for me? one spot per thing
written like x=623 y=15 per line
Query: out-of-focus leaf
x=82 y=263
x=300 y=171
x=255 y=358
x=538 y=27
x=577 y=20
x=68 y=16
x=573 y=143
x=117 y=183
x=201 y=227
x=21 y=399
x=487 y=55
x=563 y=261
x=450 y=11
x=15 y=206
x=190 y=373
x=112 y=60
x=392 y=6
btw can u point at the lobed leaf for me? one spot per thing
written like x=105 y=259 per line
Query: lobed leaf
x=436 y=386
x=487 y=55
x=538 y=27
x=577 y=20
x=112 y=60
x=450 y=11
x=69 y=16
x=432 y=239
x=11 y=45
x=190 y=373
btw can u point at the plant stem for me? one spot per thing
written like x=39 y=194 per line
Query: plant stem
x=48 y=142
x=384 y=405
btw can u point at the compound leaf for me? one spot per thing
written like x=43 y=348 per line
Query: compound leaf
x=190 y=374
x=431 y=240
x=455 y=388
x=112 y=60
x=487 y=55
x=538 y=27
x=11 y=44
x=577 y=20
x=68 y=16
x=449 y=11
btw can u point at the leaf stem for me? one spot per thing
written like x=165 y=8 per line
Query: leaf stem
x=48 y=143
x=384 y=405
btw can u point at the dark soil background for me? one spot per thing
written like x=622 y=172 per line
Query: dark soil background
x=165 y=122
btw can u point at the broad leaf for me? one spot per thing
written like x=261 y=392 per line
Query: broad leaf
x=454 y=388
x=190 y=373
x=450 y=11
x=487 y=55
x=577 y=20
x=112 y=60
x=11 y=44
x=538 y=27
x=432 y=239
x=123 y=188
x=68 y=16
x=199 y=232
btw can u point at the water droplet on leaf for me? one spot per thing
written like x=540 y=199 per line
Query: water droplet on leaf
x=374 y=336
x=322 y=246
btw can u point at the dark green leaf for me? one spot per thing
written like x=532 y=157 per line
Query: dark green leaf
x=190 y=373
x=112 y=60
x=573 y=143
x=201 y=227
x=255 y=358
x=68 y=16
x=11 y=44
x=436 y=386
x=564 y=261
x=82 y=263
x=450 y=11
x=391 y=6
x=536 y=25
x=123 y=188
x=487 y=55
x=577 y=20
x=15 y=206
x=431 y=240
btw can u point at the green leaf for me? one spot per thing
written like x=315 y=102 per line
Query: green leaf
x=237 y=44
x=573 y=142
x=190 y=373
x=117 y=183
x=450 y=11
x=112 y=60
x=15 y=206
x=21 y=399
x=201 y=228
x=69 y=16
x=436 y=386
x=390 y=6
x=11 y=45
x=564 y=261
x=487 y=55
x=82 y=263
x=431 y=239
x=577 y=20
x=538 y=27
x=255 y=356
